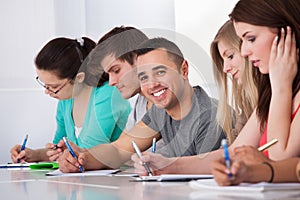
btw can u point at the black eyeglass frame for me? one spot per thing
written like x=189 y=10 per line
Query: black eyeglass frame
x=48 y=88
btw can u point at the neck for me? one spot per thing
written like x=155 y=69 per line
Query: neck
x=81 y=90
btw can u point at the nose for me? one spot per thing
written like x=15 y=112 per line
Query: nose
x=245 y=52
x=152 y=82
x=227 y=67
x=47 y=91
x=112 y=81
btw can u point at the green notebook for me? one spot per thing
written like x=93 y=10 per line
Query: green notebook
x=44 y=165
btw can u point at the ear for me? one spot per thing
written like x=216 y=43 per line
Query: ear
x=185 y=69
x=80 y=77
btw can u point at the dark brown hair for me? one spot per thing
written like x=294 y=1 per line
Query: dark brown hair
x=64 y=56
x=274 y=14
x=161 y=43
x=120 y=42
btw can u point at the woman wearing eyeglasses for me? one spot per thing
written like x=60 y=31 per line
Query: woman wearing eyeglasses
x=89 y=111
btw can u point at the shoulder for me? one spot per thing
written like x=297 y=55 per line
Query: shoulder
x=106 y=92
x=202 y=98
x=104 y=89
x=62 y=104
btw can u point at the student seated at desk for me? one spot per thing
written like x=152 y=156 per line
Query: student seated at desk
x=287 y=170
x=89 y=111
x=182 y=115
x=241 y=90
x=270 y=41
x=114 y=55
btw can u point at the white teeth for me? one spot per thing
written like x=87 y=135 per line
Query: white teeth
x=159 y=93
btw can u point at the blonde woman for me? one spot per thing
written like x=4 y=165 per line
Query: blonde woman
x=241 y=91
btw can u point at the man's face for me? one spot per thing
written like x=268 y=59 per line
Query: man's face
x=160 y=80
x=122 y=75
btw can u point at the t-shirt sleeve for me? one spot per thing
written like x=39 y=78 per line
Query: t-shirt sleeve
x=151 y=121
x=60 y=129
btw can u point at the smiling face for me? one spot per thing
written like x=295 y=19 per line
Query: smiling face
x=233 y=62
x=53 y=83
x=256 y=44
x=160 y=80
x=122 y=75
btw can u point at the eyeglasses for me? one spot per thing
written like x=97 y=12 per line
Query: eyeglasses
x=48 y=88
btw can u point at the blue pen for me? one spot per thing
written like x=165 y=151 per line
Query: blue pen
x=153 y=145
x=226 y=155
x=23 y=146
x=71 y=151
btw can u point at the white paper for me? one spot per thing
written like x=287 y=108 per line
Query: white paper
x=174 y=177
x=86 y=173
x=244 y=187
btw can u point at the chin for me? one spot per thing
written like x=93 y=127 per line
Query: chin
x=263 y=71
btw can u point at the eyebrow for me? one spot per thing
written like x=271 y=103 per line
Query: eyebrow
x=153 y=69
x=245 y=34
x=112 y=67
x=227 y=50
x=159 y=67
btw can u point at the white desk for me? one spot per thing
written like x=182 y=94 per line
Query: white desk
x=31 y=184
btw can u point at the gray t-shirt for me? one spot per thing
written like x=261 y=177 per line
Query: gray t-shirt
x=196 y=133
x=139 y=108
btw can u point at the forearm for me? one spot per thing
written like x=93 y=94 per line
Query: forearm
x=279 y=123
x=198 y=164
x=283 y=171
x=38 y=155
x=105 y=156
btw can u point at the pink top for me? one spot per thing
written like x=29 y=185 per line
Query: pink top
x=263 y=139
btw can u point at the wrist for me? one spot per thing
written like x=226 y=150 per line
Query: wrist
x=271 y=170
x=282 y=90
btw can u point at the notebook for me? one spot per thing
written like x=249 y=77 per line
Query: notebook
x=15 y=165
x=243 y=187
x=44 y=165
x=173 y=177
x=86 y=173
x=32 y=165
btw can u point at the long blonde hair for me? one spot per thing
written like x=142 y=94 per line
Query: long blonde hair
x=243 y=98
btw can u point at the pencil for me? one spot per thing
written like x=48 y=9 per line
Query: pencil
x=267 y=145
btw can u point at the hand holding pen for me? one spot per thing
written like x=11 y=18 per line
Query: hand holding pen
x=54 y=151
x=226 y=157
x=23 y=147
x=244 y=157
x=139 y=153
x=71 y=151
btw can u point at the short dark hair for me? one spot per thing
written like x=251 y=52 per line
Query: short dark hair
x=172 y=49
x=121 y=42
x=63 y=56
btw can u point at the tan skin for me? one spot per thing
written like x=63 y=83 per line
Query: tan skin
x=116 y=153
x=284 y=171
